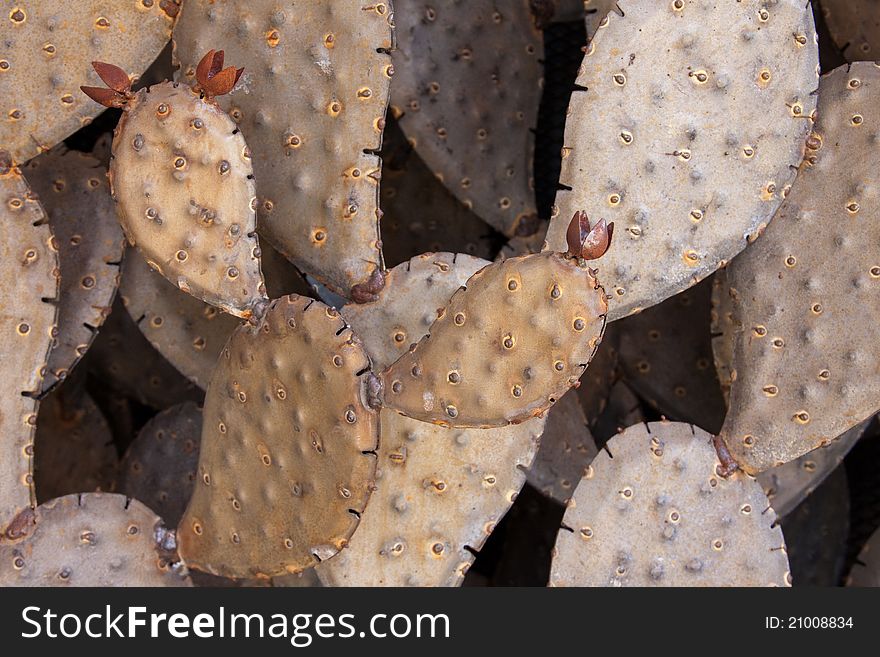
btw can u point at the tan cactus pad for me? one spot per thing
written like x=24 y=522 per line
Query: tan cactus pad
x=866 y=570
x=29 y=269
x=567 y=449
x=126 y=362
x=95 y=539
x=438 y=492
x=73 y=448
x=505 y=348
x=182 y=177
x=286 y=466
x=788 y=485
x=187 y=331
x=657 y=514
x=47 y=53
x=685 y=196
x=803 y=375
x=666 y=356
x=420 y=214
x=159 y=467
x=855 y=27
x=73 y=189
x=312 y=106
x=407 y=306
x=467 y=84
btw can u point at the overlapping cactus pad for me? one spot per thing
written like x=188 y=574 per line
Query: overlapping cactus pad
x=311 y=105
x=466 y=91
x=48 y=47
x=160 y=465
x=691 y=163
x=187 y=331
x=264 y=505
x=789 y=484
x=182 y=176
x=814 y=274
x=595 y=304
x=653 y=510
x=439 y=491
x=92 y=540
x=29 y=269
x=439 y=494
x=74 y=191
x=505 y=348
x=407 y=306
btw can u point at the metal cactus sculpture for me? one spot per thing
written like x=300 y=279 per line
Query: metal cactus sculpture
x=671 y=361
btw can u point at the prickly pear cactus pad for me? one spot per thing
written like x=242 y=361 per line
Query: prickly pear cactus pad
x=74 y=191
x=854 y=26
x=312 y=106
x=811 y=277
x=866 y=569
x=159 y=467
x=467 y=84
x=182 y=178
x=48 y=48
x=657 y=514
x=73 y=448
x=393 y=323
x=788 y=485
x=94 y=539
x=567 y=449
x=287 y=461
x=187 y=331
x=505 y=348
x=666 y=356
x=693 y=163
x=29 y=269
x=438 y=492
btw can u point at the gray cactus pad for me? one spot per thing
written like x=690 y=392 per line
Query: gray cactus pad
x=692 y=163
x=29 y=270
x=96 y=539
x=160 y=466
x=467 y=84
x=657 y=514
x=74 y=190
x=47 y=53
x=811 y=278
